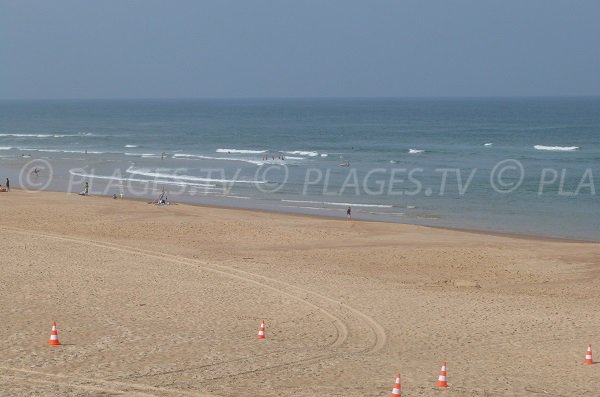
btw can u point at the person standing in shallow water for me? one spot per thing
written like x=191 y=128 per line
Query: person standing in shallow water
x=7 y=185
x=349 y=213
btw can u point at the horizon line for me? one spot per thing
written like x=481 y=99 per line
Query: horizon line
x=305 y=97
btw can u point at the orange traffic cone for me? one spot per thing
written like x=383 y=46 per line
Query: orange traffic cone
x=442 y=380
x=54 y=336
x=397 y=390
x=261 y=332
x=588 y=356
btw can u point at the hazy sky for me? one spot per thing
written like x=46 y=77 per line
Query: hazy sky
x=301 y=48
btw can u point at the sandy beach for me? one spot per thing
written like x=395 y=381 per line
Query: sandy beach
x=167 y=301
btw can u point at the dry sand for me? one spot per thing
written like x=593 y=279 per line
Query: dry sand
x=166 y=301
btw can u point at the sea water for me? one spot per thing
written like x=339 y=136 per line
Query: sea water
x=523 y=165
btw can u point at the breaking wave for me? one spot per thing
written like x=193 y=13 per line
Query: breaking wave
x=556 y=148
x=45 y=135
x=160 y=173
x=241 y=151
x=76 y=172
x=303 y=153
x=200 y=157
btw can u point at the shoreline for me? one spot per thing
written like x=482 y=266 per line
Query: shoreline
x=512 y=235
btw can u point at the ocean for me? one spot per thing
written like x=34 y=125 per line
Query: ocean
x=518 y=165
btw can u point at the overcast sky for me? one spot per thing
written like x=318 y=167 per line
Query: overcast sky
x=301 y=48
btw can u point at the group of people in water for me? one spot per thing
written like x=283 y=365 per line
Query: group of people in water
x=279 y=157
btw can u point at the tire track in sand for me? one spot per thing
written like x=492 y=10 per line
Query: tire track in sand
x=96 y=385
x=377 y=331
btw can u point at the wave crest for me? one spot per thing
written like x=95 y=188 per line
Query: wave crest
x=241 y=151
x=556 y=148
x=160 y=173
x=303 y=153
x=16 y=135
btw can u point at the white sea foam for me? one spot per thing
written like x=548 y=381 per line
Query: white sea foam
x=82 y=151
x=200 y=157
x=44 y=135
x=556 y=148
x=70 y=151
x=26 y=149
x=488 y=144
x=145 y=155
x=241 y=151
x=387 y=213
x=324 y=154
x=361 y=205
x=305 y=208
x=184 y=155
x=75 y=172
x=39 y=150
x=238 y=197
x=303 y=201
x=5 y=148
x=303 y=153
x=29 y=135
x=130 y=146
x=338 y=204
x=415 y=151
x=159 y=173
x=257 y=162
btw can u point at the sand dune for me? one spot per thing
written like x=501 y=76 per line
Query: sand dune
x=166 y=301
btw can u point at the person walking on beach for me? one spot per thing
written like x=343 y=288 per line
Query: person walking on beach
x=349 y=213
x=7 y=185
